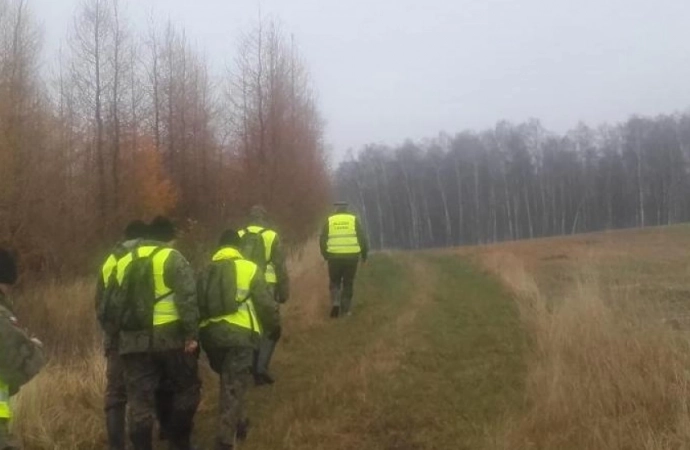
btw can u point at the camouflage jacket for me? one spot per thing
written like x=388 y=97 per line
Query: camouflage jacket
x=224 y=335
x=179 y=277
x=282 y=287
x=21 y=358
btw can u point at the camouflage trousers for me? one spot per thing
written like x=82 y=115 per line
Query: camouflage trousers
x=6 y=440
x=115 y=388
x=233 y=365
x=144 y=373
x=264 y=352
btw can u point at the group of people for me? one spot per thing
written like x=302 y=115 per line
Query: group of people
x=157 y=315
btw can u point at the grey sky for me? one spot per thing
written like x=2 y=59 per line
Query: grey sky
x=386 y=70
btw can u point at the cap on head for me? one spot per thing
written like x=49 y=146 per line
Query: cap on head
x=229 y=238
x=8 y=267
x=258 y=212
x=136 y=229
x=161 y=229
x=340 y=205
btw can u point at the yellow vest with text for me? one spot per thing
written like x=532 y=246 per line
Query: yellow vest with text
x=5 y=411
x=269 y=237
x=245 y=271
x=342 y=235
x=165 y=310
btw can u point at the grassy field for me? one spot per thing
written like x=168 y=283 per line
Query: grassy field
x=572 y=343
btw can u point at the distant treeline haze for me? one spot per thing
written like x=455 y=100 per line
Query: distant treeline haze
x=521 y=181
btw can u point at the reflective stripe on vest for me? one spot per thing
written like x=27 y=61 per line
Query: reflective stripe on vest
x=108 y=268
x=342 y=235
x=269 y=237
x=245 y=271
x=165 y=310
x=5 y=411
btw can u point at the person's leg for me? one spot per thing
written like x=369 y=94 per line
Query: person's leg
x=164 y=398
x=349 y=272
x=234 y=383
x=142 y=376
x=7 y=442
x=115 y=400
x=335 y=276
x=181 y=369
x=264 y=354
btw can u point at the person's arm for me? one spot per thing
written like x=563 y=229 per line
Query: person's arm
x=266 y=309
x=179 y=277
x=278 y=260
x=362 y=238
x=22 y=357
x=323 y=241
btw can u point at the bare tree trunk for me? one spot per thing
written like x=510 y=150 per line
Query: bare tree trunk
x=100 y=145
x=458 y=179
x=446 y=213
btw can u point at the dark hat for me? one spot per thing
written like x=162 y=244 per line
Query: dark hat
x=8 y=267
x=161 y=229
x=136 y=229
x=229 y=238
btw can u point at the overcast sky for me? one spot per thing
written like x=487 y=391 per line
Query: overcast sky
x=386 y=70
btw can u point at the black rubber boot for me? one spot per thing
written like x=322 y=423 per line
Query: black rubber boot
x=242 y=430
x=180 y=431
x=141 y=438
x=115 y=426
x=335 y=302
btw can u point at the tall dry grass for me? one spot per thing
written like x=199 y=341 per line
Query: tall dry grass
x=62 y=408
x=604 y=373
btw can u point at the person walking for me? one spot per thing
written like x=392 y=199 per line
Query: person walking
x=115 y=401
x=21 y=356
x=157 y=320
x=236 y=308
x=343 y=244
x=262 y=245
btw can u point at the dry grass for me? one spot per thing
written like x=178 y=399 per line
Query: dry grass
x=605 y=373
x=62 y=407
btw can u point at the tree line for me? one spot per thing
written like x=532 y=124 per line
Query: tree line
x=519 y=181
x=132 y=123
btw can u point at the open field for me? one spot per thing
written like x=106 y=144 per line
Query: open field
x=569 y=343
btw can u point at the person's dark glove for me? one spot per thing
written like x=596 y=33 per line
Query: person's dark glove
x=276 y=333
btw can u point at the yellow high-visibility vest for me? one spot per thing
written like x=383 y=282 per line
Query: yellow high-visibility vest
x=245 y=271
x=342 y=235
x=5 y=411
x=269 y=237
x=165 y=310
x=108 y=268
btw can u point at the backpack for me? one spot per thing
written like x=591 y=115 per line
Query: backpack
x=104 y=304
x=130 y=307
x=217 y=290
x=253 y=247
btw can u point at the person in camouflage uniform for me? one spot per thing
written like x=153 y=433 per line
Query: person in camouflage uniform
x=21 y=356
x=168 y=348
x=115 y=402
x=343 y=243
x=236 y=307
x=272 y=262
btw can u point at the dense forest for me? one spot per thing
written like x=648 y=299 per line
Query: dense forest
x=126 y=123
x=521 y=181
